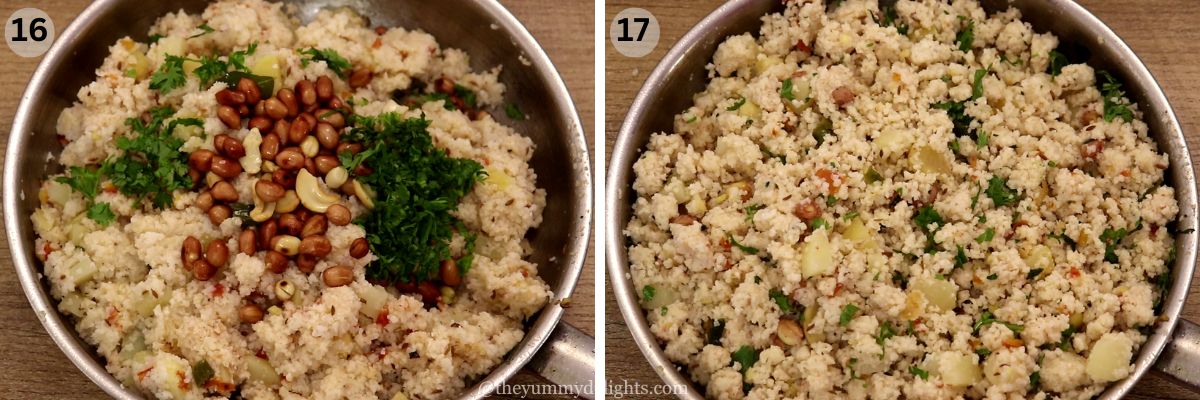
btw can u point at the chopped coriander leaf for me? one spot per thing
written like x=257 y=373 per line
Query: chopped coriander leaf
x=1035 y=379
x=924 y=375
x=850 y=215
x=786 y=90
x=211 y=68
x=151 y=165
x=1057 y=62
x=1111 y=239
x=847 y=314
x=781 y=300
x=1114 y=106
x=513 y=112
x=899 y=279
x=418 y=187
x=957 y=111
x=737 y=104
x=444 y=98
x=169 y=75
x=662 y=311
x=954 y=146
x=205 y=29
x=981 y=140
x=753 y=209
x=332 y=59
x=1064 y=342
x=830 y=201
x=818 y=223
x=960 y=258
x=977 y=87
x=744 y=249
x=690 y=119
x=237 y=59
x=265 y=84
x=986 y=236
x=1000 y=193
x=993 y=277
x=745 y=356
x=132 y=73
x=1051 y=164
x=966 y=37
x=885 y=332
x=983 y=351
x=1033 y=273
x=83 y=180
x=154 y=38
x=647 y=293
x=926 y=218
x=890 y=18
x=101 y=213
x=987 y=318
x=467 y=95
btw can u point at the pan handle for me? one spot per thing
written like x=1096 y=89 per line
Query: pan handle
x=1181 y=356
x=568 y=359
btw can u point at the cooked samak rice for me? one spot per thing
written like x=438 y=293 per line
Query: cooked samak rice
x=261 y=208
x=923 y=201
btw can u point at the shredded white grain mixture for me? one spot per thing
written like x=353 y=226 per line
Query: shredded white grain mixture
x=130 y=296
x=816 y=227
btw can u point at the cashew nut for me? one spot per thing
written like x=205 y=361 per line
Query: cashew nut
x=261 y=211
x=252 y=161
x=313 y=194
x=287 y=244
x=310 y=146
x=269 y=166
x=336 y=177
x=288 y=203
x=364 y=193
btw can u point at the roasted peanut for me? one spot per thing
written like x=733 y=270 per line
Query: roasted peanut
x=327 y=136
x=317 y=246
x=340 y=275
x=266 y=231
x=306 y=92
x=204 y=201
x=229 y=116
x=281 y=129
x=359 y=78
x=306 y=263
x=226 y=168
x=202 y=270
x=325 y=163
x=224 y=191
x=276 y=261
x=189 y=252
x=290 y=158
x=247 y=242
x=263 y=124
x=288 y=97
x=217 y=253
x=201 y=160
x=338 y=215
x=331 y=117
x=359 y=248
x=269 y=147
x=269 y=191
x=275 y=108
x=250 y=313
x=315 y=225
x=230 y=98
x=298 y=131
x=324 y=88
x=449 y=271
x=250 y=89
x=219 y=213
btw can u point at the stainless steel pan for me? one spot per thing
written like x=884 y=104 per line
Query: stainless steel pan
x=1174 y=346
x=484 y=29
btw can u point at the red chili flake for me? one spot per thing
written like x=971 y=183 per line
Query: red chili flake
x=219 y=386
x=261 y=354
x=1074 y=272
x=382 y=318
x=380 y=30
x=378 y=43
x=218 y=290
x=113 y=314
x=141 y=375
x=1091 y=149
x=838 y=289
x=724 y=243
x=803 y=47
x=47 y=248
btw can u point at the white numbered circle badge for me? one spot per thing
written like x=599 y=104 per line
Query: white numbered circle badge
x=634 y=32
x=29 y=32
